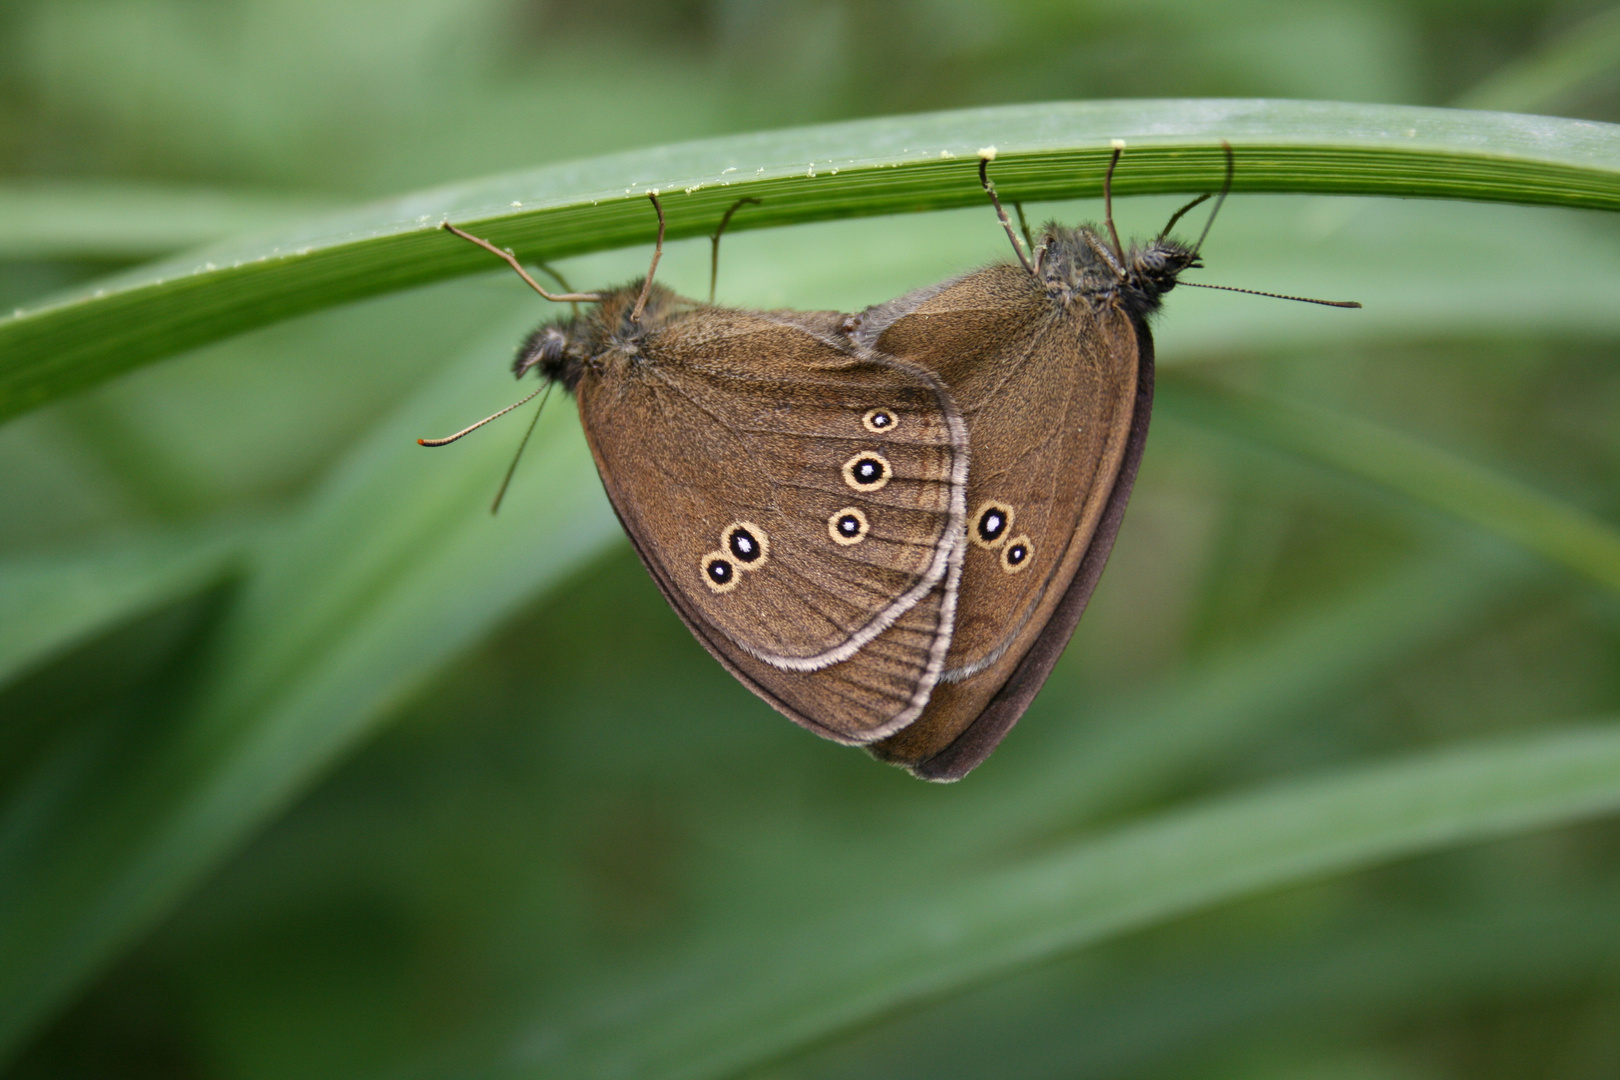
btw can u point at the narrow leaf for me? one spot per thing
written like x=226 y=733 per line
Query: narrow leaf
x=51 y=602
x=880 y=166
x=1031 y=911
x=125 y=220
x=1547 y=77
x=1540 y=523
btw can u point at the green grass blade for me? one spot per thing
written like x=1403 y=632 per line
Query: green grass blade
x=1222 y=705
x=1545 y=79
x=1075 y=1021
x=52 y=602
x=130 y=221
x=393 y=567
x=866 y=964
x=887 y=165
x=1561 y=533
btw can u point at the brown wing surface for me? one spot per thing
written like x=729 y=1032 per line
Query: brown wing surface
x=830 y=483
x=1049 y=394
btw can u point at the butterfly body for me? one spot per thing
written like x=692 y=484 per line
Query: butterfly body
x=1075 y=265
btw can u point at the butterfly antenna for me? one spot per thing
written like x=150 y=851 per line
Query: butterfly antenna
x=495 y=507
x=1275 y=296
x=658 y=253
x=1108 y=199
x=986 y=156
x=1225 y=189
x=1175 y=217
x=448 y=439
x=714 y=253
x=511 y=260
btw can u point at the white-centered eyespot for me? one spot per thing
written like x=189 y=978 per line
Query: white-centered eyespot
x=747 y=545
x=1016 y=555
x=879 y=421
x=719 y=572
x=848 y=526
x=990 y=524
x=867 y=471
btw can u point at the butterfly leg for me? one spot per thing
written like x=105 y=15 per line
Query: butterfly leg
x=1108 y=198
x=714 y=252
x=511 y=260
x=658 y=253
x=1006 y=222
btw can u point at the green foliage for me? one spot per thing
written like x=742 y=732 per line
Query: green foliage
x=872 y=167
x=310 y=766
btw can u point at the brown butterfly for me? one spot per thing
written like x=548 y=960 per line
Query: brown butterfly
x=798 y=500
x=1050 y=361
x=885 y=525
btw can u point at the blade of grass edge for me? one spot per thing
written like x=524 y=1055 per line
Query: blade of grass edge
x=128 y=220
x=1074 y=1020
x=880 y=166
x=1549 y=76
x=1102 y=756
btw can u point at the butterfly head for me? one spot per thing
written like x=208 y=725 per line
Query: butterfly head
x=1151 y=271
x=565 y=350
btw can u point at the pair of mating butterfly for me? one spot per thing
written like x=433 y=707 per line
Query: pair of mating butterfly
x=885 y=524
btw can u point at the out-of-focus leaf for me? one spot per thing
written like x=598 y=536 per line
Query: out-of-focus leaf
x=866 y=167
x=1543 y=80
x=53 y=601
x=124 y=220
x=736 y=1011
x=393 y=566
x=1553 y=529
x=1423 y=270
x=1132 y=748
x=1103 y=1021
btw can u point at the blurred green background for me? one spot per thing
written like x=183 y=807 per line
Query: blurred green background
x=569 y=817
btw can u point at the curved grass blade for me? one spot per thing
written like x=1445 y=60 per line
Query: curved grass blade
x=1517 y=512
x=888 y=165
x=741 y=1014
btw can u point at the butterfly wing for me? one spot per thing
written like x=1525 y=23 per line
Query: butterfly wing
x=1056 y=399
x=800 y=505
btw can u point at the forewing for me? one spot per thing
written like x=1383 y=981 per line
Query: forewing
x=843 y=474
